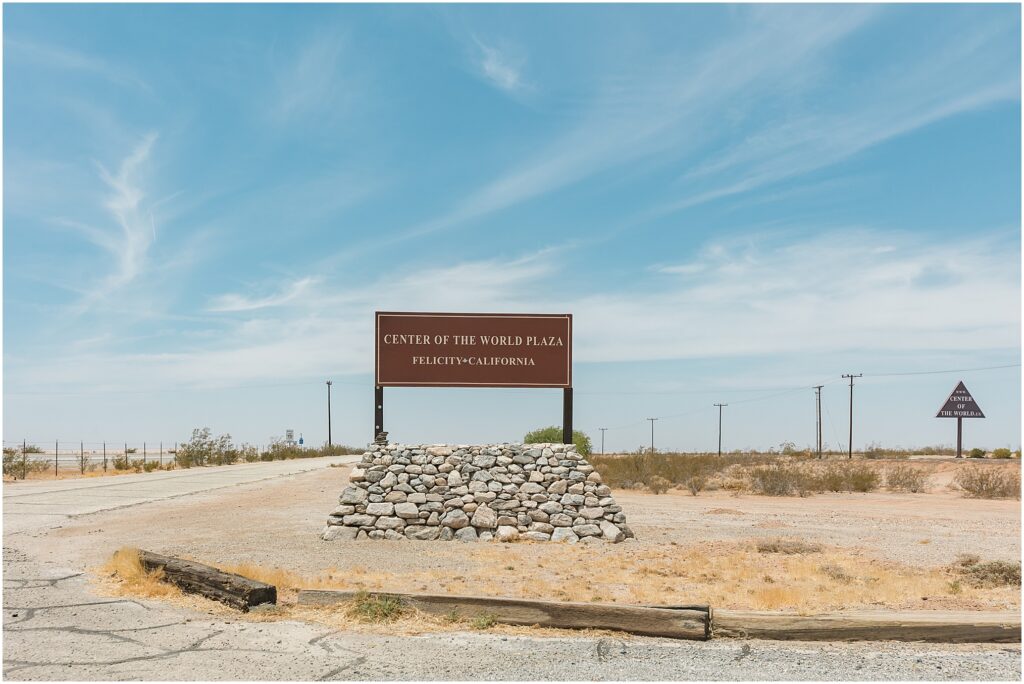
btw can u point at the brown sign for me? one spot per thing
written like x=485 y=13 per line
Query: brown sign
x=473 y=350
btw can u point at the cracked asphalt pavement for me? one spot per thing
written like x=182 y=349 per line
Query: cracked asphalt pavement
x=56 y=627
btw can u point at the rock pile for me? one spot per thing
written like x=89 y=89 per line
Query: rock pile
x=541 y=492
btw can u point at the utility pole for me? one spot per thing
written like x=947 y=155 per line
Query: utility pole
x=720 y=428
x=602 y=439
x=850 y=445
x=652 y=433
x=817 y=424
x=329 y=383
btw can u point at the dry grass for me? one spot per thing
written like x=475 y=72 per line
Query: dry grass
x=986 y=482
x=766 y=574
x=134 y=579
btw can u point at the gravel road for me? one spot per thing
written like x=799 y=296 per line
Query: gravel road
x=56 y=626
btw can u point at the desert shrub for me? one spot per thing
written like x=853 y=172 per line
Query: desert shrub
x=832 y=478
x=150 y=466
x=1002 y=453
x=860 y=477
x=483 y=621
x=976 y=453
x=836 y=573
x=781 y=480
x=787 y=547
x=367 y=607
x=979 y=482
x=658 y=484
x=990 y=574
x=637 y=469
x=17 y=462
x=553 y=434
x=696 y=484
x=120 y=462
x=204 y=449
x=906 y=478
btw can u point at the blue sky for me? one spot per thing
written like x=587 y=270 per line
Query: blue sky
x=204 y=205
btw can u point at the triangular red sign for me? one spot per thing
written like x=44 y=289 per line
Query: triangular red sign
x=960 y=405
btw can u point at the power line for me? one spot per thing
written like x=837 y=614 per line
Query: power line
x=939 y=372
x=851 y=376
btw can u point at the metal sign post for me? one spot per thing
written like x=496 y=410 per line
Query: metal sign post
x=960 y=405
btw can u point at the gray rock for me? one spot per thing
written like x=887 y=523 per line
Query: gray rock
x=564 y=534
x=506 y=533
x=422 y=533
x=407 y=510
x=611 y=532
x=588 y=530
x=454 y=479
x=484 y=517
x=359 y=520
x=537 y=536
x=333 y=532
x=389 y=523
x=343 y=510
x=560 y=520
x=466 y=534
x=395 y=496
x=353 y=495
x=383 y=508
x=595 y=513
x=455 y=519
x=558 y=487
x=572 y=499
x=551 y=507
x=541 y=527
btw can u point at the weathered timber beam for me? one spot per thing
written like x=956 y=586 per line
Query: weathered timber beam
x=935 y=626
x=689 y=623
x=196 y=578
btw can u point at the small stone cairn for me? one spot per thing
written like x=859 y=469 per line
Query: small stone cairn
x=504 y=492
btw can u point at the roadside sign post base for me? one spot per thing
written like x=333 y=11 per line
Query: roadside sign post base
x=959 y=437
x=567 y=415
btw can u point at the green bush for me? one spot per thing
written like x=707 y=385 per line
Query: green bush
x=204 y=449
x=553 y=435
x=1002 y=453
x=976 y=453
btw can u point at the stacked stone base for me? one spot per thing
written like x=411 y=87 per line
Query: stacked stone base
x=504 y=492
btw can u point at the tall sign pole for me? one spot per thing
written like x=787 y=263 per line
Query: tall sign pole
x=960 y=405
x=652 y=433
x=817 y=424
x=850 y=445
x=720 y=428
x=329 y=383
x=602 y=439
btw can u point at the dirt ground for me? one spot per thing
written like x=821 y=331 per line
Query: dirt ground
x=878 y=549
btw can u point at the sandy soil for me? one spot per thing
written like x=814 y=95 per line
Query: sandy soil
x=276 y=524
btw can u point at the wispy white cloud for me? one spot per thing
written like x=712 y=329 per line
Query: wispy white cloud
x=499 y=66
x=137 y=226
x=863 y=291
x=656 y=116
x=238 y=302
x=306 y=80
x=61 y=57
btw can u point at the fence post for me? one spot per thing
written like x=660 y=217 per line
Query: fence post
x=126 y=455
x=81 y=456
x=56 y=457
x=24 y=458
x=104 y=457
x=161 y=454
x=143 y=454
